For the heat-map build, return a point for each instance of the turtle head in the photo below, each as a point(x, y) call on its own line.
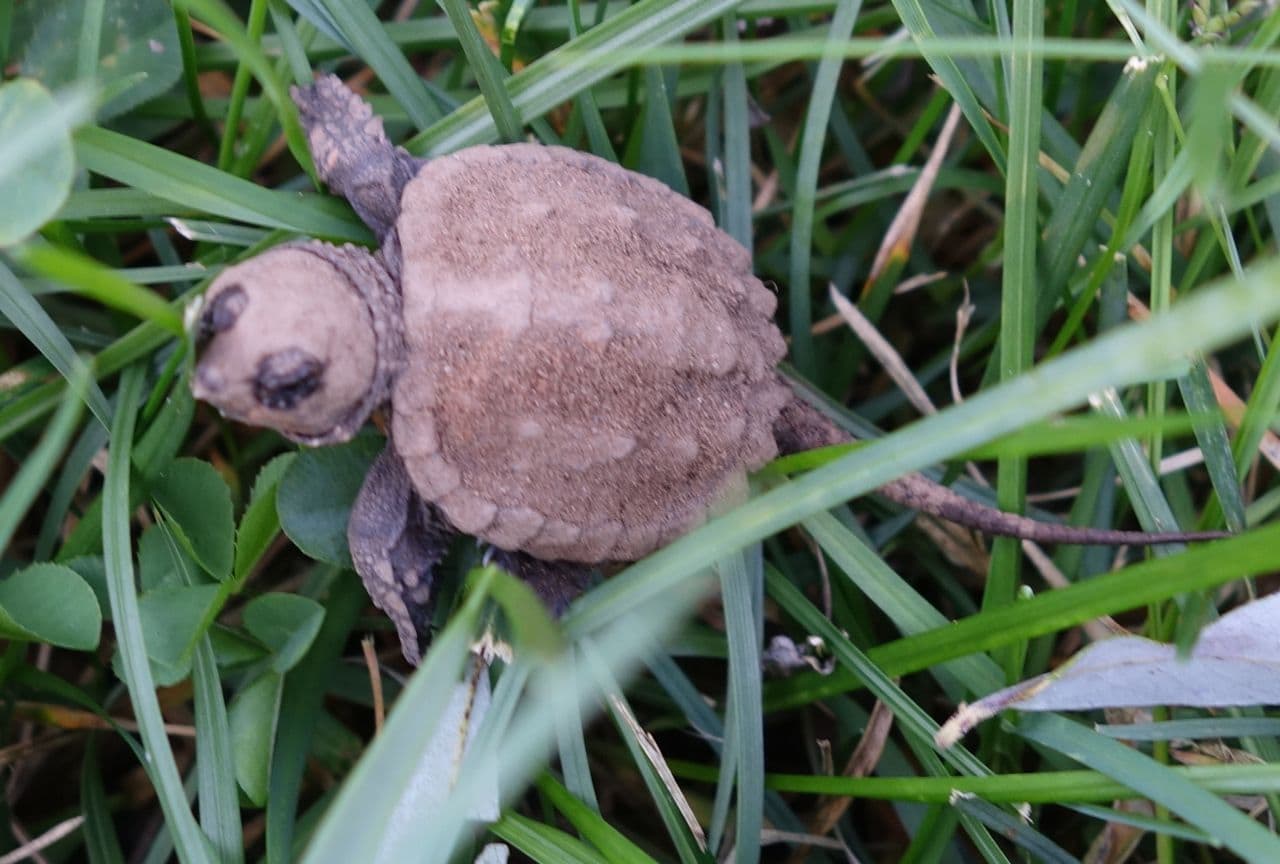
point(295, 340)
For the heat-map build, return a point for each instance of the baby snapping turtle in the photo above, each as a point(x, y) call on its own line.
point(579, 365)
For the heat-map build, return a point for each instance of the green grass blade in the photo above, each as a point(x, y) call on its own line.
point(1093, 178)
point(543, 843)
point(367, 36)
point(102, 845)
point(240, 87)
point(1019, 287)
point(191, 845)
point(747, 719)
point(301, 704)
point(688, 847)
point(910, 612)
point(39, 463)
point(215, 762)
point(809, 161)
point(22, 310)
point(567, 70)
point(1148, 778)
point(574, 762)
point(189, 184)
point(611, 843)
point(737, 145)
point(88, 278)
point(490, 75)
point(1140, 481)
point(597, 134)
point(216, 14)
point(1046, 787)
point(1211, 434)
point(358, 822)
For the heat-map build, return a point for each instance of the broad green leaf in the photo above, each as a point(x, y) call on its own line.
point(36, 160)
point(135, 56)
point(285, 623)
point(195, 498)
point(163, 563)
point(173, 619)
point(260, 522)
point(50, 603)
point(316, 494)
point(253, 714)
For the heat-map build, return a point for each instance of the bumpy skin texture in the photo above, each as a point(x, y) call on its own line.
point(589, 361)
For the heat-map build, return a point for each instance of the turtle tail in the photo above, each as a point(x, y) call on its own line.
point(352, 153)
point(800, 426)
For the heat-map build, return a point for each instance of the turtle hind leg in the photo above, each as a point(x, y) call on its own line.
point(352, 153)
point(557, 583)
point(396, 541)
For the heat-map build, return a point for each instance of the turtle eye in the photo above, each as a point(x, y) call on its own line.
point(221, 313)
point(287, 377)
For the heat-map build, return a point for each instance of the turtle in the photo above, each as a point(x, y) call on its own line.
point(577, 365)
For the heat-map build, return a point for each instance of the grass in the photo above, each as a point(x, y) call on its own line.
point(225, 713)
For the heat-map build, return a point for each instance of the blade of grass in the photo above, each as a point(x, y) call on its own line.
point(359, 26)
point(542, 842)
point(1140, 773)
point(1018, 289)
point(88, 278)
point(190, 843)
point(571, 68)
point(191, 71)
point(611, 843)
point(746, 720)
point(574, 763)
point(1211, 433)
point(1142, 584)
point(597, 134)
point(300, 706)
point(217, 15)
point(240, 87)
point(489, 74)
point(189, 184)
point(93, 437)
point(102, 845)
point(1046, 787)
point(677, 817)
point(22, 310)
point(737, 144)
point(810, 160)
point(373, 788)
point(31, 478)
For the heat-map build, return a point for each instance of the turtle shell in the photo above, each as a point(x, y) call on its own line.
point(589, 365)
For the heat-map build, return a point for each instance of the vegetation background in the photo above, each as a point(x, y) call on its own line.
point(1110, 160)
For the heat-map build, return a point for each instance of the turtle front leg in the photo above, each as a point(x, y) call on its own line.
point(352, 153)
point(396, 541)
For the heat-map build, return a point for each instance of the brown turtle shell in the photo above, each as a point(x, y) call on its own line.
point(589, 361)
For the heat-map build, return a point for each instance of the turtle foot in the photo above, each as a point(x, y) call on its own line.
point(396, 541)
point(557, 583)
point(352, 153)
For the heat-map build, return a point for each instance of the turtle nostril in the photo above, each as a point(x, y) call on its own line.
point(208, 382)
